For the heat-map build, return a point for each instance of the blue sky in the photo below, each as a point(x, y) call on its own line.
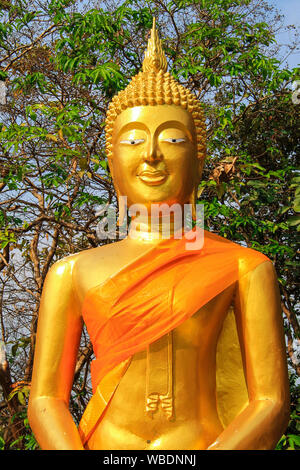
point(291, 10)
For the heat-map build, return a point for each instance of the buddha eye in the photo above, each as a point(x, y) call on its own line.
point(174, 141)
point(132, 141)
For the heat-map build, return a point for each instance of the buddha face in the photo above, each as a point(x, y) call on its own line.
point(155, 155)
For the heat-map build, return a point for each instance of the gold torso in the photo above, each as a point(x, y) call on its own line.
point(127, 424)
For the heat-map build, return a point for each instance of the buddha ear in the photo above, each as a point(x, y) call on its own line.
point(200, 168)
point(121, 203)
point(193, 201)
point(111, 168)
point(193, 196)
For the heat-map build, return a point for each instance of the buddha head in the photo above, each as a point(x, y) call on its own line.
point(155, 136)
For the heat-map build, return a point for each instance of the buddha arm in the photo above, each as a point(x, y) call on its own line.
point(58, 337)
point(258, 314)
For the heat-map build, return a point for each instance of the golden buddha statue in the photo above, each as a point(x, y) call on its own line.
point(189, 344)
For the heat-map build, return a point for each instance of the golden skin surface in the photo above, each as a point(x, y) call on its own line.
point(196, 424)
point(157, 139)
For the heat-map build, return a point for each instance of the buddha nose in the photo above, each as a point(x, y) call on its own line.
point(153, 152)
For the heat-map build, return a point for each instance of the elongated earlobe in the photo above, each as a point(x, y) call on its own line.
point(200, 169)
point(122, 209)
point(121, 199)
point(192, 201)
point(193, 196)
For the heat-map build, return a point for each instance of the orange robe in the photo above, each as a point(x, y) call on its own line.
point(147, 299)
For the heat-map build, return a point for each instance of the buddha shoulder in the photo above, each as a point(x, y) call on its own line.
point(262, 271)
point(64, 267)
point(82, 271)
point(87, 257)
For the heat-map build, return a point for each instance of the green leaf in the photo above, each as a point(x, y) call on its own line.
point(3, 75)
point(293, 221)
point(296, 206)
point(21, 398)
point(14, 349)
point(256, 184)
point(103, 164)
point(293, 438)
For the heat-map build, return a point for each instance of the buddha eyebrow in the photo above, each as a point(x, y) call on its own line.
point(141, 126)
point(176, 125)
point(132, 126)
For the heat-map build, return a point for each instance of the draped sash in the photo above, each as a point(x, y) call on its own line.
point(147, 299)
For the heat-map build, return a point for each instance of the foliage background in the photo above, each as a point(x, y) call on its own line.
point(62, 61)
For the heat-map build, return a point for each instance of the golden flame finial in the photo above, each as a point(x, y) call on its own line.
point(155, 59)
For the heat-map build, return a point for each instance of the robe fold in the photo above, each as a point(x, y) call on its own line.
point(147, 299)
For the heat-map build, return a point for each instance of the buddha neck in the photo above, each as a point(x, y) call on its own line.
point(147, 229)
